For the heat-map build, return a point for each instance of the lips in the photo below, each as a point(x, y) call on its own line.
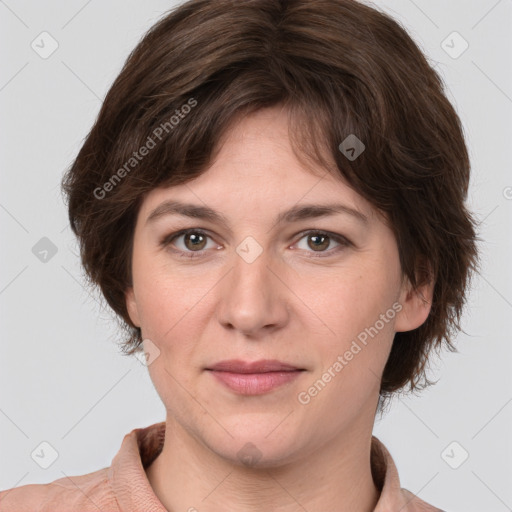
point(254, 378)
point(262, 366)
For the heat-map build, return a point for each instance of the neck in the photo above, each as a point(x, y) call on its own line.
point(337, 476)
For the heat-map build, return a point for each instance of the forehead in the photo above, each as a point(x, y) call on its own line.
point(256, 170)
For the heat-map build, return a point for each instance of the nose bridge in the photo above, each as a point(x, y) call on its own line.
point(252, 297)
point(251, 268)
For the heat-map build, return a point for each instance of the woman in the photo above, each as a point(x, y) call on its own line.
point(273, 200)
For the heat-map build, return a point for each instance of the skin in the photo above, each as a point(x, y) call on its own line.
point(295, 302)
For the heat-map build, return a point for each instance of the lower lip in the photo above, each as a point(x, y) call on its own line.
point(255, 383)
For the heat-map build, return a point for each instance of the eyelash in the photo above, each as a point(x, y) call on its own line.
point(167, 240)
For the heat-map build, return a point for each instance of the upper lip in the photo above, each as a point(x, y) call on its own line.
point(261, 366)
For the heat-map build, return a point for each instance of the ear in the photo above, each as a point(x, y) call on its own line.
point(131, 306)
point(416, 304)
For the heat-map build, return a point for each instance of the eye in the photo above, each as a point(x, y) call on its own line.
point(320, 240)
point(194, 242)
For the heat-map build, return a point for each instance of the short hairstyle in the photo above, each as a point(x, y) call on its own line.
point(339, 68)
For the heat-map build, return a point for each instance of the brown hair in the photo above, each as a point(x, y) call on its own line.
point(339, 67)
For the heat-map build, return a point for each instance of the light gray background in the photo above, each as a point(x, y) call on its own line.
point(63, 379)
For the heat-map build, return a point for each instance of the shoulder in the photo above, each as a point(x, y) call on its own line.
point(84, 493)
point(415, 504)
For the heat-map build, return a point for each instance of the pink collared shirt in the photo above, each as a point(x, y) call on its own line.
point(124, 487)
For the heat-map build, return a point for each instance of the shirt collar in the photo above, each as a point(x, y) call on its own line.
point(142, 445)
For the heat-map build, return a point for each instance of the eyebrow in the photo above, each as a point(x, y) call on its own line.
point(297, 213)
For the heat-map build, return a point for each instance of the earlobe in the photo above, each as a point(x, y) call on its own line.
point(416, 306)
point(131, 306)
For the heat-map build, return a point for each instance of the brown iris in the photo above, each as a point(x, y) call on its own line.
point(198, 240)
point(323, 245)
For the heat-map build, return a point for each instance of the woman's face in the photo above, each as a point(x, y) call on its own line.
point(266, 278)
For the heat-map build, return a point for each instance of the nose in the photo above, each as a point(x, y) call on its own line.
point(254, 299)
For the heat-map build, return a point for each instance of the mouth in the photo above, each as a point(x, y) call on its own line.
point(261, 366)
point(254, 378)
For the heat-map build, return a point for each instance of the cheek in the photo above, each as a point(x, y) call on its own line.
point(348, 301)
point(171, 312)
point(171, 304)
point(353, 343)
point(159, 291)
point(158, 308)
point(354, 321)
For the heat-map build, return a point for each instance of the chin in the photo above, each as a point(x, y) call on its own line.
point(258, 447)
